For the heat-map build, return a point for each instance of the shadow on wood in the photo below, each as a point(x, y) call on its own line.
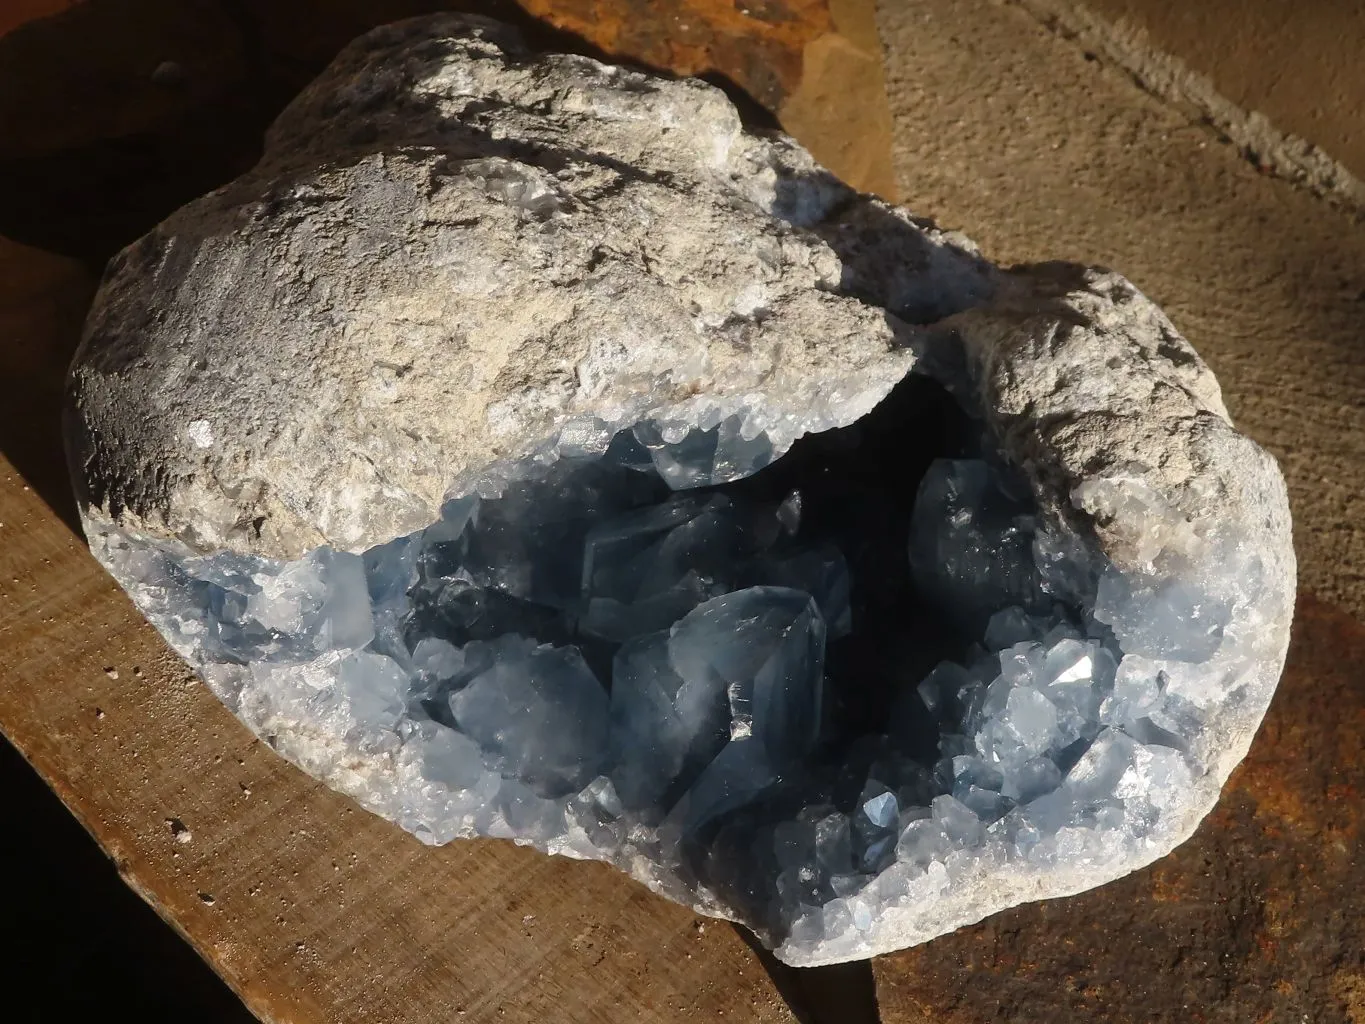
point(836, 994)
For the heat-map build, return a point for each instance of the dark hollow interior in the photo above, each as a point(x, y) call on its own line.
point(858, 487)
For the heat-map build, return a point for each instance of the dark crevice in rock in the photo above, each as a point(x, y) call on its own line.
point(858, 485)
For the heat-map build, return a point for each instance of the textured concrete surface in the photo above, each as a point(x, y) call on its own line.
point(1298, 63)
point(838, 110)
point(1009, 132)
point(1273, 148)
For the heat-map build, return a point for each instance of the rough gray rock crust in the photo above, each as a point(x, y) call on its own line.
point(455, 255)
point(452, 248)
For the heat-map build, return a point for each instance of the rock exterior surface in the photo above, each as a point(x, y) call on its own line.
point(525, 449)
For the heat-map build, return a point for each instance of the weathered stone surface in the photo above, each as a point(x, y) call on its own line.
point(370, 198)
point(343, 427)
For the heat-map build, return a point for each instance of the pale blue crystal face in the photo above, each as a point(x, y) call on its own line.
point(971, 543)
point(688, 457)
point(537, 712)
point(743, 670)
point(771, 681)
point(759, 654)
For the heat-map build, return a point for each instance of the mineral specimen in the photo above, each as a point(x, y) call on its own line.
point(527, 450)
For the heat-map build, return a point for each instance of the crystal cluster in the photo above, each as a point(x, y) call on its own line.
point(616, 482)
point(623, 655)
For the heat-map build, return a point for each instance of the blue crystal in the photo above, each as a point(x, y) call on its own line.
point(764, 647)
point(1161, 618)
point(644, 571)
point(712, 709)
point(606, 656)
point(528, 543)
point(664, 729)
point(820, 572)
point(539, 715)
point(971, 542)
point(687, 458)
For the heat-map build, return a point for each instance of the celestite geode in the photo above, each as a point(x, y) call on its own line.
point(527, 450)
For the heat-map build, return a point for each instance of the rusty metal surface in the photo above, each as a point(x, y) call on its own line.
point(756, 43)
point(1259, 919)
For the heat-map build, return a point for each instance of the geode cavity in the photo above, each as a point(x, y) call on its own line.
point(527, 450)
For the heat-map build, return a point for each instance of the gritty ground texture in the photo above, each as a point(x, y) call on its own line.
point(1297, 65)
point(1273, 146)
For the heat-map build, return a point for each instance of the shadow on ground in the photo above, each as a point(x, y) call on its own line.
point(837, 994)
point(79, 943)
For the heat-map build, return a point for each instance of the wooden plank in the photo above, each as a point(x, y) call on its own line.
point(312, 909)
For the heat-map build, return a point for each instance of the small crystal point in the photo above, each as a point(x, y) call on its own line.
point(971, 542)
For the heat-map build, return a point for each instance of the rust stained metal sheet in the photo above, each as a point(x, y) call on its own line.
point(756, 44)
point(1259, 919)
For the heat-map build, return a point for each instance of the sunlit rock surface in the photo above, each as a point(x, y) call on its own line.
point(526, 450)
